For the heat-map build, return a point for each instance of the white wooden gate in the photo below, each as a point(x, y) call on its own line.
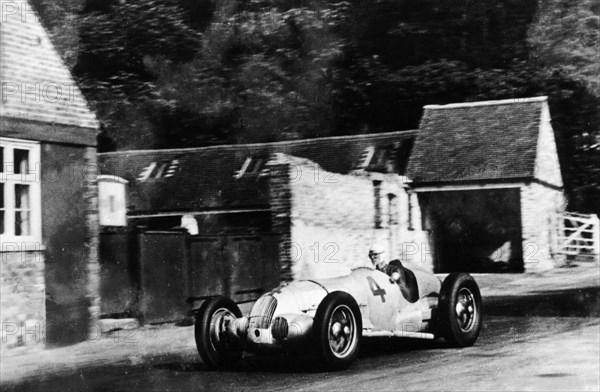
point(578, 235)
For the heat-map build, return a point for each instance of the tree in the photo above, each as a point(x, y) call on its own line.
point(566, 37)
point(260, 75)
point(61, 20)
point(183, 73)
point(119, 42)
point(564, 41)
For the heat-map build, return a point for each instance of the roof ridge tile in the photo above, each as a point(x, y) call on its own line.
point(225, 147)
point(510, 101)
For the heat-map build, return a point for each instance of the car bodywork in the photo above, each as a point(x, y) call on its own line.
point(332, 315)
point(284, 317)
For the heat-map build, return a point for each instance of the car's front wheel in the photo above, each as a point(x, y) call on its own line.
point(460, 310)
point(212, 341)
point(337, 330)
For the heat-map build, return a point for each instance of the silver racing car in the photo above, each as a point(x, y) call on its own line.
point(330, 316)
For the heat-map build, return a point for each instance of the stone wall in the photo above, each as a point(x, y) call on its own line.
point(539, 205)
point(280, 196)
point(547, 166)
point(22, 296)
point(328, 221)
point(70, 240)
point(92, 236)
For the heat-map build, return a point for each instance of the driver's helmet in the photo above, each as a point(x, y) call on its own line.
point(376, 249)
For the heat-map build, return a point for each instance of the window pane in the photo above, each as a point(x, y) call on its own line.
point(22, 196)
point(1, 208)
point(160, 169)
point(377, 196)
point(392, 209)
point(1, 159)
point(22, 223)
point(21, 161)
point(256, 167)
point(410, 211)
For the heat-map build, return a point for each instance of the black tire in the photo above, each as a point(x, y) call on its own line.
point(337, 310)
point(460, 310)
point(215, 349)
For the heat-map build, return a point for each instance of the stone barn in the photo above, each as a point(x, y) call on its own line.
point(489, 183)
point(475, 189)
point(238, 219)
point(48, 213)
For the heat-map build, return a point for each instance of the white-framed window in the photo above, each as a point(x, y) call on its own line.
point(20, 191)
point(251, 167)
point(377, 159)
point(157, 170)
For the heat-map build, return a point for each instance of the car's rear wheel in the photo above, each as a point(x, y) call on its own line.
point(214, 345)
point(460, 310)
point(337, 330)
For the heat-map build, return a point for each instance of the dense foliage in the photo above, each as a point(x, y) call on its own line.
point(180, 73)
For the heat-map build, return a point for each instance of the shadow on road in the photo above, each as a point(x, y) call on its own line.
point(380, 346)
point(306, 362)
point(251, 364)
point(583, 302)
point(560, 303)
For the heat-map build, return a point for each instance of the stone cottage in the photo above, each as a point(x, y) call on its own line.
point(489, 183)
point(48, 197)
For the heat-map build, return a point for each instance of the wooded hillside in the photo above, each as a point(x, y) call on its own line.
point(182, 73)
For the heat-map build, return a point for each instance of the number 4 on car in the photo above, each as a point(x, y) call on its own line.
point(331, 316)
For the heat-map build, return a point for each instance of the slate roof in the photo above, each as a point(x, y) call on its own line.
point(490, 140)
point(36, 83)
point(199, 179)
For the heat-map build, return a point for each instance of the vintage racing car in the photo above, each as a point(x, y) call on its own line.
point(332, 315)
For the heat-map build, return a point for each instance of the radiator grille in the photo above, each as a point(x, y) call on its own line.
point(262, 312)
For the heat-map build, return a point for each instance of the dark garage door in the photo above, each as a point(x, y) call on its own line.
point(163, 276)
point(237, 266)
point(175, 266)
point(475, 231)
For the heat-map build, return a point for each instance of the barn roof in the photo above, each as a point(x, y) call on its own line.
point(208, 178)
point(36, 84)
point(490, 140)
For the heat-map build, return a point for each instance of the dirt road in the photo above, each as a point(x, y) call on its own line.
point(516, 353)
